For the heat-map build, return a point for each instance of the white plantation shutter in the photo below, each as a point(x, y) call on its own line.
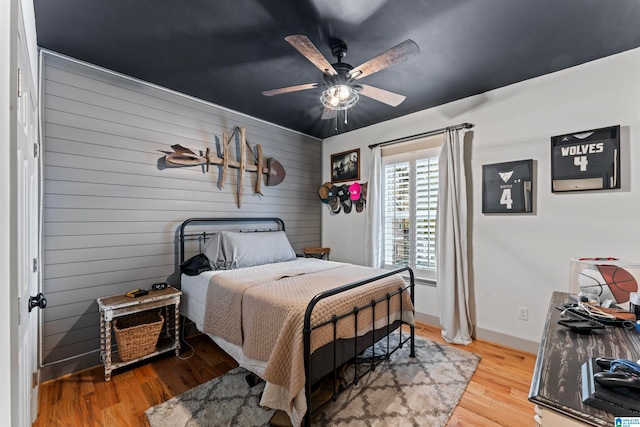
point(397, 214)
point(410, 201)
point(426, 205)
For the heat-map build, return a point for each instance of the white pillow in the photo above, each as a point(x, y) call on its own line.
point(254, 248)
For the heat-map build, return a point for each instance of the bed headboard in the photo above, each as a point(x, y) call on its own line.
point(201, 226)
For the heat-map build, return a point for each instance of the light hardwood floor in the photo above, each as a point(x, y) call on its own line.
point(496, 395)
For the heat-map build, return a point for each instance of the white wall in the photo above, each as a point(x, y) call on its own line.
point(519, 260)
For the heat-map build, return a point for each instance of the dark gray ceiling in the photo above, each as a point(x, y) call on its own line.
point(229, 51)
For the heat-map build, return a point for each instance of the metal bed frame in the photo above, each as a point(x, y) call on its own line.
point(340, 350)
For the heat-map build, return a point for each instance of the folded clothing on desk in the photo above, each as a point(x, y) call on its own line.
point(607, 315)
point(619, 313)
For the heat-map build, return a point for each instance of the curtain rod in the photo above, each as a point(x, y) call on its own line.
point(422, 135)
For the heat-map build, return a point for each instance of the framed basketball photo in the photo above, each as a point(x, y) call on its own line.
point(587, 160)
point(345, 166)
point(508, 187)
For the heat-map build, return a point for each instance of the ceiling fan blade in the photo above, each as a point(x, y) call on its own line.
point(397, 54)
point(328, 113)
point(289, 89)
point(303, 45)
point(389, 98)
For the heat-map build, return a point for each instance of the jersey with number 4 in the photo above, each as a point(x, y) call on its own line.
point(587, 155)
point(508, 189)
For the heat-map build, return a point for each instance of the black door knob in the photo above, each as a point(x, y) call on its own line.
point(37, 301)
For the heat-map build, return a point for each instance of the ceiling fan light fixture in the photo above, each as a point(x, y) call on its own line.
point(339, 97)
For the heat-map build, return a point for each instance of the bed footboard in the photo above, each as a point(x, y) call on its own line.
point(366, 341)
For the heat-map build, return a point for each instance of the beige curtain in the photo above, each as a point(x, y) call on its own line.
point(451, 241)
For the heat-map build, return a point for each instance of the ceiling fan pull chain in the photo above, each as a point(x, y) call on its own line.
point(345, 117)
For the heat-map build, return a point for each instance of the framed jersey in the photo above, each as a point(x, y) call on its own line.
point(588, 160)
point(508, 187)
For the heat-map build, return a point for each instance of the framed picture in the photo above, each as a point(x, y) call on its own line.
point(508, 187)
point(588, 160)
point(345, 166)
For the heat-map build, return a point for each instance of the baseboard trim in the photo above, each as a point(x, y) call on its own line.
point(508, 340)
point(428, 319)
point(55, 370)
point(488, 335)
point(88, 361)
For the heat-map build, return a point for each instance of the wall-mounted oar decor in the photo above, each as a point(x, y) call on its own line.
point(271, 167)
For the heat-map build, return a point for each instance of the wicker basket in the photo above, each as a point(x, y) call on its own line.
point(137, 334)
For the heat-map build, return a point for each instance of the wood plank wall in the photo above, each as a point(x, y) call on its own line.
point(111, 211)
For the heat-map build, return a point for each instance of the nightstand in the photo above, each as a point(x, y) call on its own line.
point(322, 253)
point(116, 306)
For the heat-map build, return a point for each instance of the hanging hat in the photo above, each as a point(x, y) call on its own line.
point(360, 203)
point(345, 198)
point(334, 200)
point(343, 192)
point(354, 191)
point(323, 192)
point(363, 191)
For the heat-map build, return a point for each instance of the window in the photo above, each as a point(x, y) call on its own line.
point(410, 198)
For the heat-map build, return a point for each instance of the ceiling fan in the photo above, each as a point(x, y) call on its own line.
point(340, 90)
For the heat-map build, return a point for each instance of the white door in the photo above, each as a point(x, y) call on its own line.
point(28, 181)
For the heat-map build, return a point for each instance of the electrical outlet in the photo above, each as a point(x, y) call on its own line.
point(523, 313)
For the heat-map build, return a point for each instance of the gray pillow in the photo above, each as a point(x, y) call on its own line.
point(254, 248)
point(212, 251)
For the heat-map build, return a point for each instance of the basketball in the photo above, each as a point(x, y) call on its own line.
point(620, 281)
point(590, 278)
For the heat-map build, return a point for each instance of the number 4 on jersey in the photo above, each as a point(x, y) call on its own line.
point(506, 199)
point(581, 161)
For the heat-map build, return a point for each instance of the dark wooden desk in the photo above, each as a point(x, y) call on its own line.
point(556, 382)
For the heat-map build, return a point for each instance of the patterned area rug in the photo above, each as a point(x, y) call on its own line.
point(407, 391)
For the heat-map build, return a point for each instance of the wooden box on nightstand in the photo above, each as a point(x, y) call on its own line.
point(116, 306)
